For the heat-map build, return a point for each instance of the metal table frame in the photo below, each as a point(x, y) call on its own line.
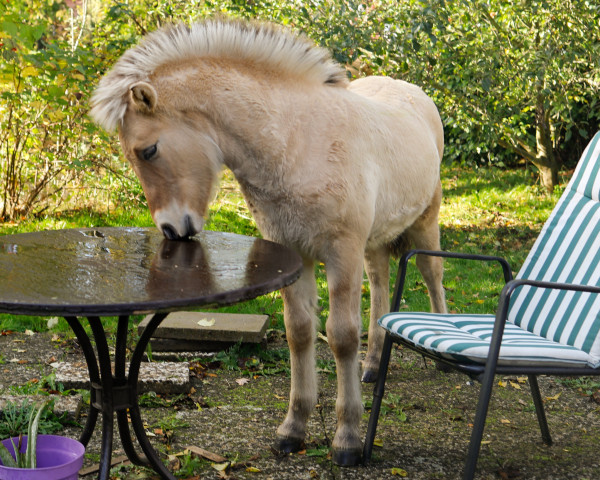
point(116, 392)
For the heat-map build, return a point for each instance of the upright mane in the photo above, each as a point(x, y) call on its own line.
point(261, 43)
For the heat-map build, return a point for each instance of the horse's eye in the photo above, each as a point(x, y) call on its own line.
point(147, 153)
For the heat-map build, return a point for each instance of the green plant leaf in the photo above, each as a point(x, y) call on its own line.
point(32, 433)
point(6, 457)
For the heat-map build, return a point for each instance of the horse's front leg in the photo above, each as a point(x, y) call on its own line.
point(344, 277)
point(377, 266)
point(300, 300)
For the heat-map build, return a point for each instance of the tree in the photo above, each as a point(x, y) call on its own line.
point(523, 74)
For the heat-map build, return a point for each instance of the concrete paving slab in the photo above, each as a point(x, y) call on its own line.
point(69, 404)
point(205, 331)
point(159, 377)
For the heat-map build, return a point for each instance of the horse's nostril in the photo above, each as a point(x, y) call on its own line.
point(189, 227)
point(169, 232)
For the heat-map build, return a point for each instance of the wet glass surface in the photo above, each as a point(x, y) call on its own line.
point(110, 271)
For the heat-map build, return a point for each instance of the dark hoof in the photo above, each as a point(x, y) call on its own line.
point(289, 444)
point(346, 458)
point(369, 376)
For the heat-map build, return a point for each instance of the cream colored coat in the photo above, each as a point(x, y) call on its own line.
point(336, 170)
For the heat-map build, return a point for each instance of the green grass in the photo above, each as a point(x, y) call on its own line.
point(485, 210)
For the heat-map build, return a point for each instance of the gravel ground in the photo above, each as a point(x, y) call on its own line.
point(423, 432)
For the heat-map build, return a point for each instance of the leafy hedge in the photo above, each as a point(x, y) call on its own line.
point(513, 79)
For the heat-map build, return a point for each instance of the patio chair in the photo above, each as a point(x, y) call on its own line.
point(547, 321)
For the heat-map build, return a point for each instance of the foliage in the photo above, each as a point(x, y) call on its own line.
point(14, 419)
point(253, 360)
point(512, 80)
point(520, 75)
point(27, 459)
point(49, 148)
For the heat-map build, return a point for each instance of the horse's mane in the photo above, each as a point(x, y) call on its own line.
point(261, 43)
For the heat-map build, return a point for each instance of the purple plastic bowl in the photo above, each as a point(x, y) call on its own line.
point(58, 458)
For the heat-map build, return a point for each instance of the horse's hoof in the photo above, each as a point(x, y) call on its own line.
point(289, 444)
point(346, 458)
point(369, 376)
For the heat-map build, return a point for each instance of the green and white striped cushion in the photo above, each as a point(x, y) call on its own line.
point(466, 338)
point(567, 251)
point(546, 327)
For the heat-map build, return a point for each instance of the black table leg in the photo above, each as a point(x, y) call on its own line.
point(117, 392)
point(92, 365)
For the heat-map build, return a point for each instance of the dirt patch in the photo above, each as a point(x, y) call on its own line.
point(423, 431)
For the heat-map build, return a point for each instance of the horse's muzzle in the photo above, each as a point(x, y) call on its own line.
point(171, 233)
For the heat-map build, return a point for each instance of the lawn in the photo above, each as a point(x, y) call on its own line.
point(484, 210)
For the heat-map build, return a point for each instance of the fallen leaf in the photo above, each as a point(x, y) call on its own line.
point(205, 322)
point(502, 383)
point(515, 385)
point(322, 337)
point(242, 381)
point(53, 321)
point(399, 472)
point(253, 470)
point(378, 442)
point(555, 397)
point(29, 333)
point(505, 421)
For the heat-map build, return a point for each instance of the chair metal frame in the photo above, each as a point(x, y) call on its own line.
point(482, 372)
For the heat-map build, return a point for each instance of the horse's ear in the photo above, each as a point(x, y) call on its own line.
point(144, 97)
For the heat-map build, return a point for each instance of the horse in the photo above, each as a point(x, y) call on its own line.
point(340, 171)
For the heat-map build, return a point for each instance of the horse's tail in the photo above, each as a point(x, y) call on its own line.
point(399, 246)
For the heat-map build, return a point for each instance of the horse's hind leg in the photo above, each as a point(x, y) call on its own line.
point(425, 234)
point(377, 266)
point(344, 325)
point(300, 301)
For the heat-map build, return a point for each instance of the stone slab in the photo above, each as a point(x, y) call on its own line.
point(159, 377)
point(206, 331)
point(63, 404)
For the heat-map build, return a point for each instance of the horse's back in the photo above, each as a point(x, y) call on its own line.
point(406, 97)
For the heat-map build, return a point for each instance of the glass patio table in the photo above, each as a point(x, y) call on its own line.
point(90, 273)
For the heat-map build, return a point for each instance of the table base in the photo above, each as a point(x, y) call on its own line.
point(117, 392)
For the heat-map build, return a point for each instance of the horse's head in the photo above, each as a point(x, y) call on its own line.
point(175, 157)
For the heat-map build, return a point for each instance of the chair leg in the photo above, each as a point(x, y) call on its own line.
point(377, 397)
point(479, 424)
point(539, 409)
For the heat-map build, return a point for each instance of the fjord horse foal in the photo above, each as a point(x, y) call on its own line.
point(337, 170)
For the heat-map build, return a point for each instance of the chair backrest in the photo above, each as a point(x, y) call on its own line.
point(567, 251)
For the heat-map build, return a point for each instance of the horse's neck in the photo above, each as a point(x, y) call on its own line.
point(256, 129)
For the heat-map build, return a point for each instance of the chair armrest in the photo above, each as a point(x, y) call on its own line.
point(403, 265)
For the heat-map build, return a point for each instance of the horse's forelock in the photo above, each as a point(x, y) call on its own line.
point(261, 43)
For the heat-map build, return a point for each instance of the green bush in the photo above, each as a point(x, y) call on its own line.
point(512, 80)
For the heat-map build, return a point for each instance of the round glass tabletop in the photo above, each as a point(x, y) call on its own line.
point(123, 271)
